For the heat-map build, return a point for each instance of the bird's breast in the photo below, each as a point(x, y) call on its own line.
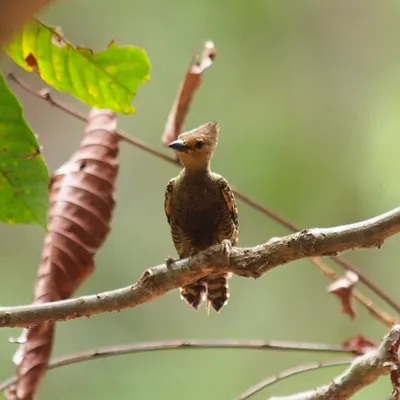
point(198, 209)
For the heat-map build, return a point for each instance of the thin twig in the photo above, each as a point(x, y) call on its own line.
point(367, 303)
point(45, 94)
point(289, 373)
point(248, 262)
point(363, 371)
point(113, 351)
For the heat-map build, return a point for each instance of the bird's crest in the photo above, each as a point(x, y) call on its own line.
point(204, 135)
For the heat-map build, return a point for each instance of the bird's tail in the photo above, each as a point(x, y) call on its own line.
point(217, 291)
point(214, 289)
point(194, 293)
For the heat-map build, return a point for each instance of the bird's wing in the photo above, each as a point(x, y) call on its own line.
point(176, 231)
point(167, 202)
point(230, 203)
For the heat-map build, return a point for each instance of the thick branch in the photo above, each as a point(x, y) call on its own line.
point(14, 13)
point(249, 262)
point(362, 372)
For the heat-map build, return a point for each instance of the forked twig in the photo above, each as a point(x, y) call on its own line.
point(299, 369)
point(363, 371)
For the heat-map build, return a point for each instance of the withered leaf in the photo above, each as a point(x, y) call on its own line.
point(180, 108)
point(359, 344)
point(81, 207)
point(343, 288)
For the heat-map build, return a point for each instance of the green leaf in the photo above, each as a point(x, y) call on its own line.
point(23, 172)
point(108, 79)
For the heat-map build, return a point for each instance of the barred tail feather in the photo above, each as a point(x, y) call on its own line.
point(217, 291)
point(194, 293)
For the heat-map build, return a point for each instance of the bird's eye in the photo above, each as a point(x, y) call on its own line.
point(198, 144)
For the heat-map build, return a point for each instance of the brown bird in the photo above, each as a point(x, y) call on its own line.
point(201, 211)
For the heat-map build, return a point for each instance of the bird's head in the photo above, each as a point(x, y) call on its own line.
point(196, 147)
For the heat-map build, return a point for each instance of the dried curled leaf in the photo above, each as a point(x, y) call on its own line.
point(185, 94)
point(343, 288)
point(359, 344)
point(81, 207)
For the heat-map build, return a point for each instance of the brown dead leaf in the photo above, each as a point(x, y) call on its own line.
point(343, 288)
point(180, 108)
point(359, 344)
point(81, 207)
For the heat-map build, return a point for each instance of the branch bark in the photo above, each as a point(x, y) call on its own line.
point(362, 372)
point(14, 13)
point(248, 262)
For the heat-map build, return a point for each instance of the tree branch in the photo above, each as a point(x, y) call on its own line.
point(362, 372)
point(248, 262)
point(14, 13)
point(114, 351)
point(325, 269)
point(287, 374)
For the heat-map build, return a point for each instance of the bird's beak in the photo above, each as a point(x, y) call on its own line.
point(179, 145)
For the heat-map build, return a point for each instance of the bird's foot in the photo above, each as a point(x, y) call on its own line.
point(226, 246)
point(169, 261)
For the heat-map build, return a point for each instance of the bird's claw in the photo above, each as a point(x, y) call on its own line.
point(169, 261)
point(226, 246)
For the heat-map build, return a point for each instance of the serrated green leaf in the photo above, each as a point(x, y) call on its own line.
point(108, 79)
point(23, 172)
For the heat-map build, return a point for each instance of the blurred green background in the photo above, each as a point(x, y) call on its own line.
point(307, 95)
